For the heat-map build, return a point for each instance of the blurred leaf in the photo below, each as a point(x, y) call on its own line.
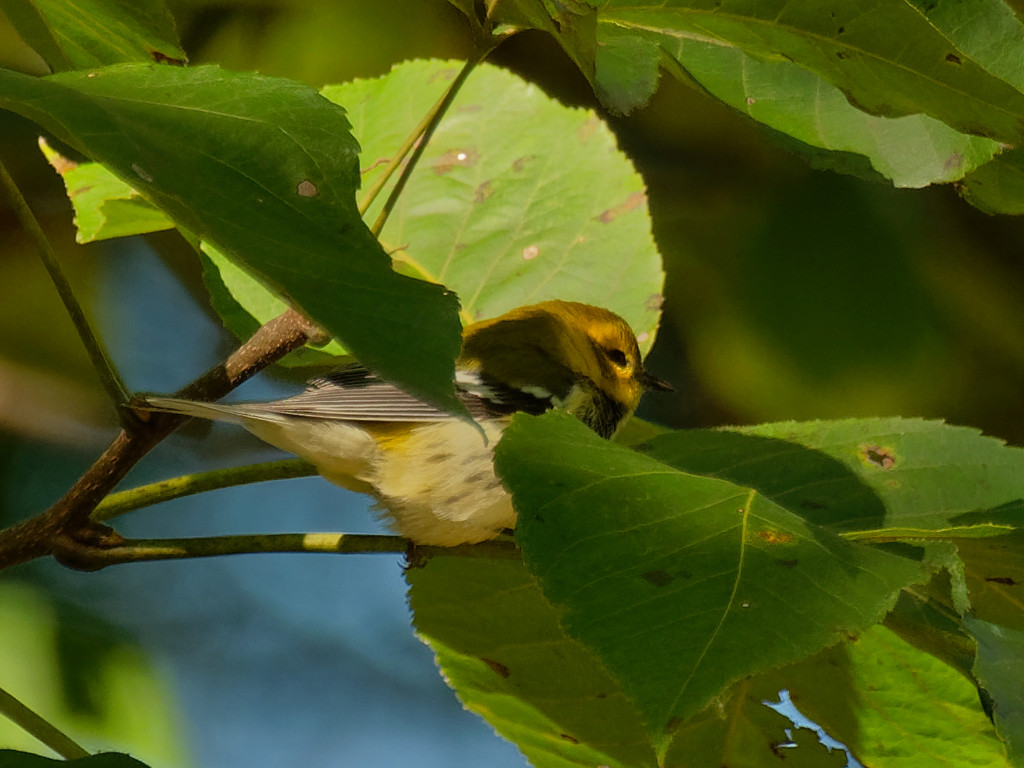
point(91, 33)
point(11, 759)
point(84, 677)
point(1000, 670)
point(266, 170)
point(925, 472)
point(105, 207)
point(894, 706)
point(681, 584)
point(500, 646)
point(516, 200)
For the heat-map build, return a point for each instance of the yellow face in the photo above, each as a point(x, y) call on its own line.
point(617, 356)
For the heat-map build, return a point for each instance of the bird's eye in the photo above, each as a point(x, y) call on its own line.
point(617, 356)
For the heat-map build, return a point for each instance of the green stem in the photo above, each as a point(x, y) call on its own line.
point(141, 550)
point(112, 382)
point(176, 487)
point(34, 724)
point(416, 143)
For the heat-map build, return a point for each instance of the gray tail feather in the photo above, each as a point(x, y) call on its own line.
point(235, 414)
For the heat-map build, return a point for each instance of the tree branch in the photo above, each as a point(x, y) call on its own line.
point(66, 530)
point(144, 550)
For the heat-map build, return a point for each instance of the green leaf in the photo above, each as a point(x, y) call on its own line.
point(911, 151)
point(821, 488)
point(681, 584)
point(91, 33)
point(264, 169)
point(105, 206)
point(994, 573)
point(927, 473)
point(1000, 669)
point(9, 758)
point(864, 54)
point(835, 76)
point(517, 199)
point(499, 644)
point(997, 187)
point(895, 706)
point(743, 731)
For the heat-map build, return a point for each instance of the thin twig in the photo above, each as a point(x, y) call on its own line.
point(110, 378)
point(123, 502)
point(40, 728)
point(419, 139)
point(145, 550)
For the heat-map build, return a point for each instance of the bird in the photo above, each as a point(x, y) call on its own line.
point(430, 472)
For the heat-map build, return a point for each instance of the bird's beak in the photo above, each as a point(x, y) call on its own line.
point(654, 383)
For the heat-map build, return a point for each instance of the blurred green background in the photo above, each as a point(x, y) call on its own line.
point(792, 293)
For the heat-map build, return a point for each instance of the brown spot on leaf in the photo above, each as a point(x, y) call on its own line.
point(307, 188)
point(463, 158)
point(952, 58)
point(570, 739)
point(496, 666)
point(482, 192)
point(530, 252)
point(954, 162)
point(878, 456)
point(842, 55)
point(58, 162)
point(1007, 580)
point(632, 202)
point(775, 537)
point(658, 577)
point(654, 302)
point(587, 129)
point(521, 162)
point(162, 58)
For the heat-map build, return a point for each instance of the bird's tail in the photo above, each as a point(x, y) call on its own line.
point(233, 414)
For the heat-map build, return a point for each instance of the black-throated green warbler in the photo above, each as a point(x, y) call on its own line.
point(430, 471)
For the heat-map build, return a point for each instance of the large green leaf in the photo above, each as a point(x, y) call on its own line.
point(77, 34)
point(681, 584)
point(265, 169)
point(500, 645)
point(517, 198)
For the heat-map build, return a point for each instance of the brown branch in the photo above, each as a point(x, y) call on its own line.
point(65, 530)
